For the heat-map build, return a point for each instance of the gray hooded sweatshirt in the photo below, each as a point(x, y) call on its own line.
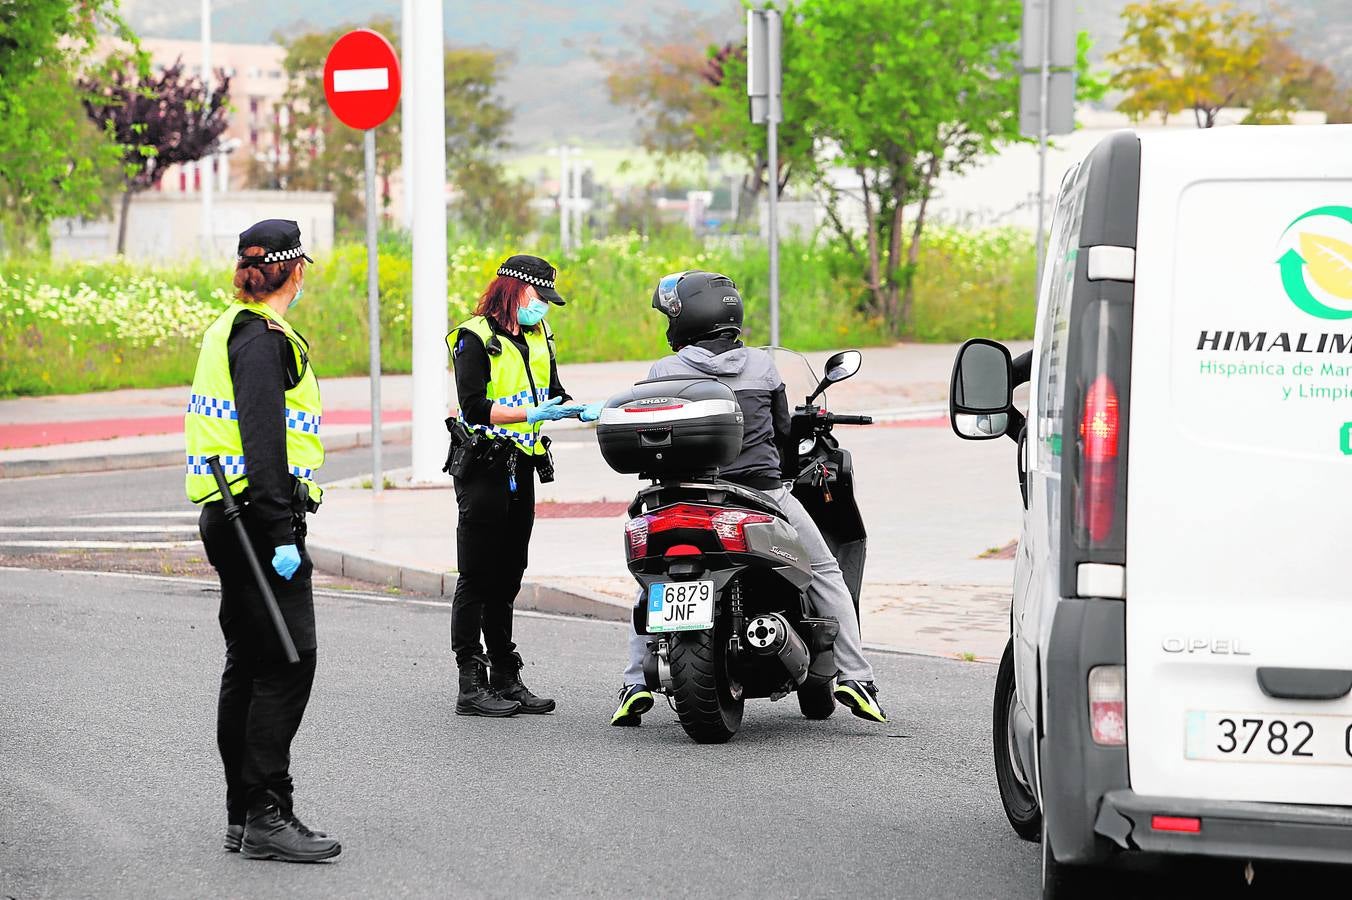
point(752, 375)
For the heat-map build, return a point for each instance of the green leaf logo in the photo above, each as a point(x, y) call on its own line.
point(1326, 261)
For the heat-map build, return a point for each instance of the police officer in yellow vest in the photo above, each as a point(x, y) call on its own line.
point(255, 404)
point(507, 381)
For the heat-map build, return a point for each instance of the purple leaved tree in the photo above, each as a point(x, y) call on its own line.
point(159, 119)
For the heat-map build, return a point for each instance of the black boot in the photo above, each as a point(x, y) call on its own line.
point(477, 698)
point(506, 680)
point(271, 833)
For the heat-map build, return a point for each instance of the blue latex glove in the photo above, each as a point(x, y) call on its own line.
point(552, 410)
point(591, 412)
point(286, 561)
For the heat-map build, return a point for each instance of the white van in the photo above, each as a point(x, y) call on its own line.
point(1179, 676)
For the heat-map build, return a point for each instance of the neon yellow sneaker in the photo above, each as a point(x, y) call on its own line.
point(635, 700)
point(862, 699)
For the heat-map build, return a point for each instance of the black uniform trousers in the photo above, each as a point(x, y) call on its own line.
point(262, 697)
point(492, 537)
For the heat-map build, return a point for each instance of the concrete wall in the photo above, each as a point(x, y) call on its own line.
point(166, 227)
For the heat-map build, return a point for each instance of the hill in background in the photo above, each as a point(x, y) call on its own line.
point(554, 80)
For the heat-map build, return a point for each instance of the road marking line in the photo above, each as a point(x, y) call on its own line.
point(97, 529)
point(319, 592)
point(160, 514)
point(351, 80)
point(104, 545)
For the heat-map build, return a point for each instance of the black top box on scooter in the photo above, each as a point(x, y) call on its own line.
point(671, 426)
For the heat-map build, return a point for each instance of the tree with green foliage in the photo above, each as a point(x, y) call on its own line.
point(478, 132)
point(53, 161)
point(1288, 81)
point(689, 95)
point(159, 120)
point(902, 91)
point(1179, 55)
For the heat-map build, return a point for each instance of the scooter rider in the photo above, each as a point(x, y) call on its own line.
point(704, 312)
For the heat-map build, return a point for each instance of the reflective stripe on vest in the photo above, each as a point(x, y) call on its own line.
point(225, 409)
point(211, 422)
point(233, 465)
point(509, 381)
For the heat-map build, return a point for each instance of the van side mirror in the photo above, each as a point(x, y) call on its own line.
point(839, 367)
point(981, 394)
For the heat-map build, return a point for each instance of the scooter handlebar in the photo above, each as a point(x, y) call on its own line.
point(849, 420)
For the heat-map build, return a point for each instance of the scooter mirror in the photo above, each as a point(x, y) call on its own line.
point(842, 365)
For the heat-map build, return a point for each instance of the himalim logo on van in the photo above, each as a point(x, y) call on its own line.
point(1316, 268)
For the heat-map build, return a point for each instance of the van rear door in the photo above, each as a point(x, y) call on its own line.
point(1239, 523)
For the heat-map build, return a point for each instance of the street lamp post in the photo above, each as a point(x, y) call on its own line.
point(206, 170)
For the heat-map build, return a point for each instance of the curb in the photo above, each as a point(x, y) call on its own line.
point(533, 596)
point(116, 462)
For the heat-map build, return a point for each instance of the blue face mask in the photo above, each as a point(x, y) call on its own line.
point(532, 314)
point(295, 299)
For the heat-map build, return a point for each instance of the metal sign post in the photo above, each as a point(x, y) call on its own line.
point(361, 84)
point(764, 82)
point(373, 308)
point(1046, 89)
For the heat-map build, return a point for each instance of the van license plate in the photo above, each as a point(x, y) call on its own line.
point(681, 606)
point(1263, 737)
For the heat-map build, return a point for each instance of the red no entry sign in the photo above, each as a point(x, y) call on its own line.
point(361, 79)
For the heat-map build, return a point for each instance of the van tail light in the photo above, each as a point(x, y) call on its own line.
point(1108, 705)
point(1180, 824)
point(728, 525)
point(1100, 430)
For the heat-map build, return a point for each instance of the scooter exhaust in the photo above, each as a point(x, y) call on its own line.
point(771, 634)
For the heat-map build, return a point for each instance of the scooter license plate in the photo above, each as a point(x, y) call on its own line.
point(681, 606)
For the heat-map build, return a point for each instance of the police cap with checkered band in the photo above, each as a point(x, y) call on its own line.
point(280, 238)
point(534, 271)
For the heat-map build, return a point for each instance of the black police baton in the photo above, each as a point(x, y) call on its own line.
point(232, 511)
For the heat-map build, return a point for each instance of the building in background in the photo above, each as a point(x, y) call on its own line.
point(257, 85)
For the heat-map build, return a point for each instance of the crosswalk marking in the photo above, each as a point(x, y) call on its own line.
point(104, 545)
point(162, 514)
point(97, 529)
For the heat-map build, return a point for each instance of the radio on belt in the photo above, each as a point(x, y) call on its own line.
point(668, 427)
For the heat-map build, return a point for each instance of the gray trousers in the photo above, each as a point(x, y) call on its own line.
point(828, 596)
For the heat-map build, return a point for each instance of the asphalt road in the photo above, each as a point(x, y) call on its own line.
point(110, 787)
point(109, 774)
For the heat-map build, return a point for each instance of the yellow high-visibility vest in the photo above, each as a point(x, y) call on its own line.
point(211, 424)
point(510, 381)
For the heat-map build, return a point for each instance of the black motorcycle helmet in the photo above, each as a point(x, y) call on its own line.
point(697, 304)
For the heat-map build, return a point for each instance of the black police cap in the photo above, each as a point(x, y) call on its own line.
point(534, 271)
point(279, 237)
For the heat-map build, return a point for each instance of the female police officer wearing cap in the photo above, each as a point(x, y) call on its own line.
point(508, 384)
point(255, 405)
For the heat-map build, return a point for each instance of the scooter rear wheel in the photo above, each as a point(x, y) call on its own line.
point(701, 687)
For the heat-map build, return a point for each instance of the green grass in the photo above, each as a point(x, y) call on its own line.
point(74, 327)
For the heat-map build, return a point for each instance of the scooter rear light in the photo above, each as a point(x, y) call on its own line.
point(636, 537)
point(683, 550)
point(1108, 705)
point(730, 526)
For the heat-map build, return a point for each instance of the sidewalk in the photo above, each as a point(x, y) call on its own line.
point(142, 428)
